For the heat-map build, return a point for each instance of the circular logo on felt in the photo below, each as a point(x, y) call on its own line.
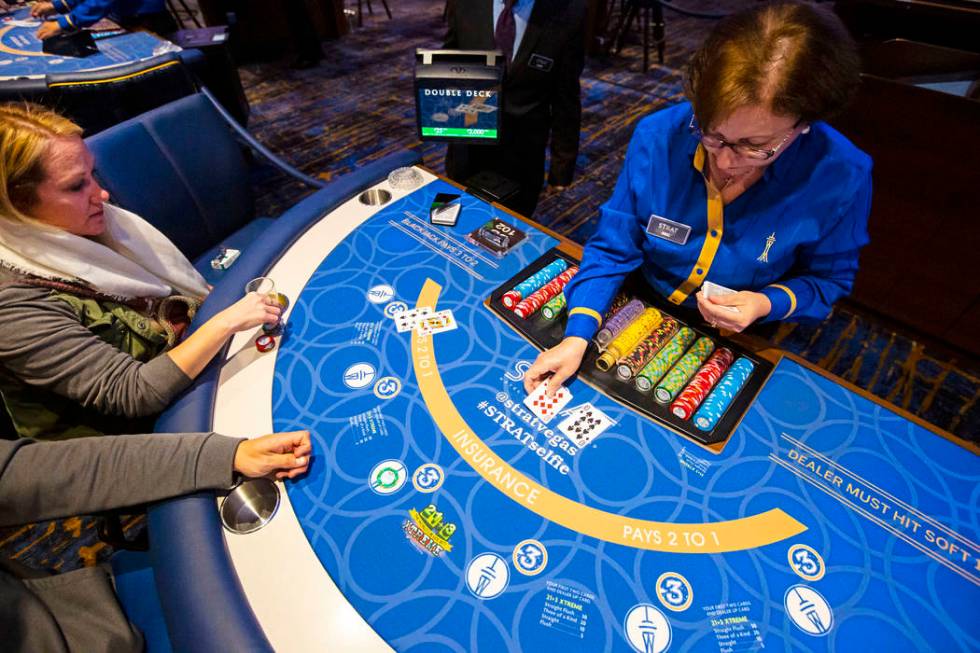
point(428, 478)
point(674, 591)
point(388, 476)
point(387, 387)
point(381, 294)
point(359, 375)
point(530, 557)
point(806, 562)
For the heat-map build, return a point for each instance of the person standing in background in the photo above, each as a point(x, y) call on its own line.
point(544, 47)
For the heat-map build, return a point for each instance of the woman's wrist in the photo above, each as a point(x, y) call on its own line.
point(577, 342)
point(221, 325)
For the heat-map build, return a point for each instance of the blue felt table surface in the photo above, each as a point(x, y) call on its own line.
point(21, 55)
point(889, 507)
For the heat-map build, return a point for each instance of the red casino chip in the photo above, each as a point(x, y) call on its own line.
point(265, 343)
point(510, 298)
point(685, 404)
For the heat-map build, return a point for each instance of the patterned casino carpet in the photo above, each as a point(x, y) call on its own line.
point(357, 106)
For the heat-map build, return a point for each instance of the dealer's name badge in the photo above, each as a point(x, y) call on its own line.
point(675, 232)
point(541, 62)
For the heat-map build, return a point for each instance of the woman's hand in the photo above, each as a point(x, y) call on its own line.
point(560, 362)
point(42, 9)
point(192, 355)
point(48, 29)
point(285, 455)
point(751, 306)
point(250, 311)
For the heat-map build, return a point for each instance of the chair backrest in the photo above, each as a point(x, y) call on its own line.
point(181, 168)
point(98, 99)
point(923, 209)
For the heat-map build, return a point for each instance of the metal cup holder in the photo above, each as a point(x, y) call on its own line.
point(374, 197)
point(250, 506)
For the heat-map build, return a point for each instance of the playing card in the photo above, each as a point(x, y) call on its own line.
point(714, 290)
point(445, 215)
point(574, 410)
point(436, 323)
point(585, 425)
point(406, 320)
point(544, 407)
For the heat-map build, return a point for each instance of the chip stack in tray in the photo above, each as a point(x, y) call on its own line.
point(681, 373)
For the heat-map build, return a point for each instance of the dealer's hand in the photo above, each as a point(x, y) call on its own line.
point(560, 362)
point(43, 9)
point(751, 306)
point(48, 29)
point(286, 455)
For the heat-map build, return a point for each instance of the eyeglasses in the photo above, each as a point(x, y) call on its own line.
point(740, 149)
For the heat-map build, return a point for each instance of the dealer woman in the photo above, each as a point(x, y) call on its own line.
point(745, 186)
point(93, 299)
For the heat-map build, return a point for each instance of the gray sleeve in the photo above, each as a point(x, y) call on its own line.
point(47, 480)
point(44, 345)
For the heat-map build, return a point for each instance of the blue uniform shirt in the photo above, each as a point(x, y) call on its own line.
point(794, 235)
point(76, 14)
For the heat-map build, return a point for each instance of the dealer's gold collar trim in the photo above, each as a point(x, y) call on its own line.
point(712, 238)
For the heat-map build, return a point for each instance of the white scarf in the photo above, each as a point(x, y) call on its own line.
point(130, 259)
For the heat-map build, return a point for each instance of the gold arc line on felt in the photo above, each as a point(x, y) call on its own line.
point(750, 532)
point(10, 50)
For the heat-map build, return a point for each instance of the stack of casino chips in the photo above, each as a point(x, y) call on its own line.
point(619, 301)
point(691, 397)
point(554, 307)
point(721, 397)
point(634, 361)
point(512, 297)
point(664, 360)
point(629, 338)
point(683, 370)
point(530, 304)
point(622, 319)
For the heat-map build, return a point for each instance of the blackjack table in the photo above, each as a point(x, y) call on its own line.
point(21, 55)
point(442, 513)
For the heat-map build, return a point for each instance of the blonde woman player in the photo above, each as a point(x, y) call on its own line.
point(93, 299)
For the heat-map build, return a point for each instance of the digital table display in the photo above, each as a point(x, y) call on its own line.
point(453, 113)
point(457, 97)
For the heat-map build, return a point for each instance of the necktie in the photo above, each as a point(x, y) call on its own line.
point(506, 30)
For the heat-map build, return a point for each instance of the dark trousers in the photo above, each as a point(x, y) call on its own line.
point(519, 156)
point(301, 31)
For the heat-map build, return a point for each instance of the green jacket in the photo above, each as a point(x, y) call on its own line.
point(87, 389)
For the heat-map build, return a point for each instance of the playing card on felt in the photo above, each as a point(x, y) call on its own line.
point(407, 319)
point(436, 323)
point(585, 425)
point(544, 407)
point(574, 410)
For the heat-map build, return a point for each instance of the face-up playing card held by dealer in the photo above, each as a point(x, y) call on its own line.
point(544, 407)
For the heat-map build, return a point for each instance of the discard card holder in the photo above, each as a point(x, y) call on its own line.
point(73, 44)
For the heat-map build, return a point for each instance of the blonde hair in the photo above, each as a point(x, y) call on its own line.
point(795, 59)
point(25, 132)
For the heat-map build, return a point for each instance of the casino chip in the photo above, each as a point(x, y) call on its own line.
point(265, 343)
